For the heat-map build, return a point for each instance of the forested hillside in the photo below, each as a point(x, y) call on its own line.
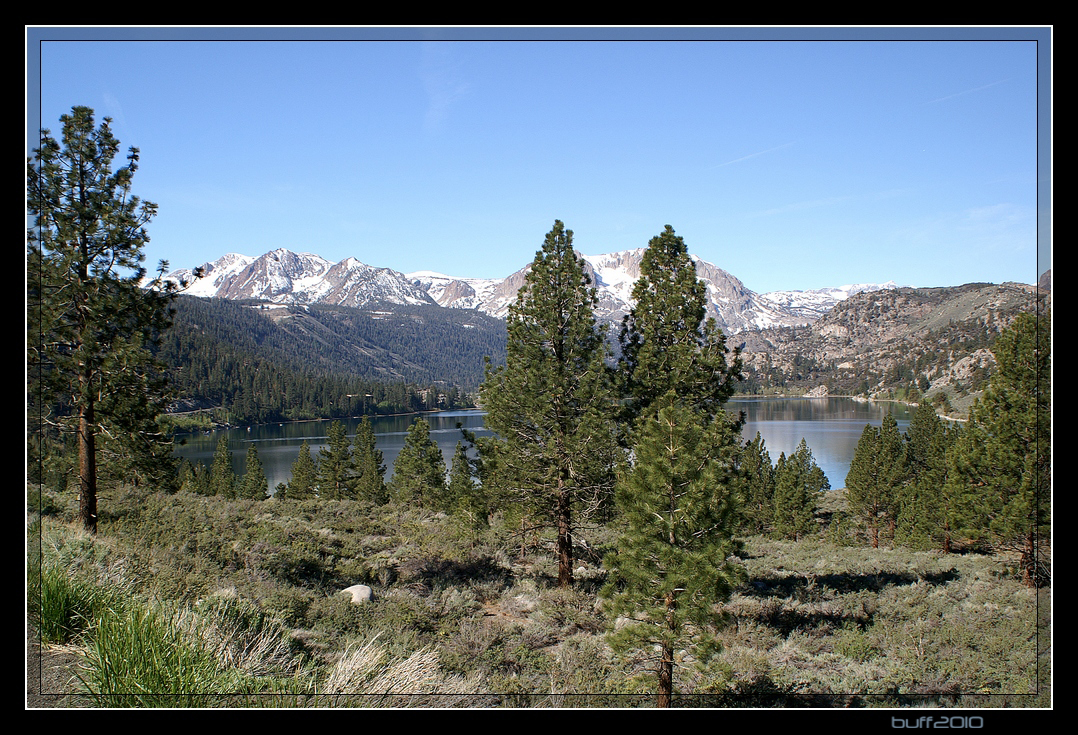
point(278, 364)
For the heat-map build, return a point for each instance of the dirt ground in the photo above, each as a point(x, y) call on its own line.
point(50, 675)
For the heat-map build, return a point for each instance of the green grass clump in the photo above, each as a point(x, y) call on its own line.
point(141, 659)
point(62, 606)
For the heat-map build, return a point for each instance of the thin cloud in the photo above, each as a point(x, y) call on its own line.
point(800, 206)
point(968, 91)
point(115, 110)
point(754, 155)
point(442, 82)
point(881, 195)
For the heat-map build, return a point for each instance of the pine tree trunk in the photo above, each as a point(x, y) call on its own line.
point(666, 677)
point(565, 539)
point(87, 466)
point(666, 663)
point(1028, 561)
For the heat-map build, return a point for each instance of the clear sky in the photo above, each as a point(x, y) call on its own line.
point(792, 158)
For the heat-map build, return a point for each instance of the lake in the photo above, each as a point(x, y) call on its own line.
point(278, 444)
point(830, 426)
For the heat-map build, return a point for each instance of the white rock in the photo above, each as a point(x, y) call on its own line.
point(361, 593)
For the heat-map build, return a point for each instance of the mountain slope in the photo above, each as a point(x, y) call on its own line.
point(277, 362)
point(887, 341)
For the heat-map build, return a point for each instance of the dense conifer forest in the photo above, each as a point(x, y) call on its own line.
point(259, 364)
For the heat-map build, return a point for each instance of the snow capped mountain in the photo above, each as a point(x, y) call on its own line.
point(734, 307)
point(214, 274)
point(458, 293)
point(285, 277)
point(814, 304)
point(489, 295)
point(277, 276)
point(352, 283)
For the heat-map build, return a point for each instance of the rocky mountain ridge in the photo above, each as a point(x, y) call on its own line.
point(902, 342)
point(284, 277)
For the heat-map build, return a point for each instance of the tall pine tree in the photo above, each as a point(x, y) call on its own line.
point(464, 496)
point(254, 485)
point(222, 478)
point(666, 343)
point(757, 479)
point(336, 473)
point(304, 480)
point(798, 483)
point(370, 472)
point(92, 323)
point(679, 512)
point(1001, 464)
point(927, 515)
point(875, 477)
point(551, 404)
point(679, 501)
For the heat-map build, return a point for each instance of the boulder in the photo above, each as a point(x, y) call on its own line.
point(360, 593)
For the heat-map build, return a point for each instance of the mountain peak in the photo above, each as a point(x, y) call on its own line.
point(283, 276)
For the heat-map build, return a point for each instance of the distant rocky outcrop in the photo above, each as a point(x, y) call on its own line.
point(928, 338)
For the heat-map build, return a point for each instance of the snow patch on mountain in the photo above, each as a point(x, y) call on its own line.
point(815, 303)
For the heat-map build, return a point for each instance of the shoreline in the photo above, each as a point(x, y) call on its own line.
point(219, 426)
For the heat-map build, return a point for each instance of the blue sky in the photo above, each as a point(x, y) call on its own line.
point(792, 158)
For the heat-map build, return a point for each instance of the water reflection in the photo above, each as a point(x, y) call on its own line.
point(830, 427)
point(279, 444)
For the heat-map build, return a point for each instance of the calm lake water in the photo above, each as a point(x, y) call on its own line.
point(278, 444)
point(830, 426)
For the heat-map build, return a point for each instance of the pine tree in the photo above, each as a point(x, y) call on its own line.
point(927, 510)
point(666, 343)
point(757, 487)
point(419, 470)
point(679, 512)
point(465, 497)
point(367, 460)
point(551, 404)
point(304, 480)
point(892, 461)
point(254, 486)
point(875, 476)
point(194, 478)
point(92, 323)
point(222, 478)
point(1001, 465)
point(336, 473)
point(798, 483)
